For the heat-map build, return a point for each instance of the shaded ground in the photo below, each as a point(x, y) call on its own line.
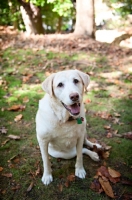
point(24, 65)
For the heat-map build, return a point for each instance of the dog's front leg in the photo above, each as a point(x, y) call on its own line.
point(47, 175)
point(79, 169)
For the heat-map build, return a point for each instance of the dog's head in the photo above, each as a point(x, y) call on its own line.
point(68, 87)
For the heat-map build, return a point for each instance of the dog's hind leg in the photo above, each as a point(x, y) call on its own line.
point(90, 144)
point(92, 154)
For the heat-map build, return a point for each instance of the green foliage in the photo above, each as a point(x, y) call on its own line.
point(63, 8)
point(123, 7)
point(10, 13)
point(51, 11)
point(38, 2)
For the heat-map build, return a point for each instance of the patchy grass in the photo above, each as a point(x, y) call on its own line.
point(108, 103)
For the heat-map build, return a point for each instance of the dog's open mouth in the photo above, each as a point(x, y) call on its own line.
point(74, 109)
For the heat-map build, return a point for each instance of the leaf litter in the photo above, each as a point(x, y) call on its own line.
point(116, 117)
point(103, 178)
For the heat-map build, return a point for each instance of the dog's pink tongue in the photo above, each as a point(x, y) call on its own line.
point(75, 109)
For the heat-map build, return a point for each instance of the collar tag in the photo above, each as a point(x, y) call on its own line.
point(80, 120)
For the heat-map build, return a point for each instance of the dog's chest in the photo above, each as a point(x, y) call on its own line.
point(65, 137)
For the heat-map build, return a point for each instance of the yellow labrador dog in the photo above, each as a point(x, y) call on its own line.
point(61, 122)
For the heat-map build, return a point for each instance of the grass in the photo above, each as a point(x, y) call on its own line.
point(22, 157)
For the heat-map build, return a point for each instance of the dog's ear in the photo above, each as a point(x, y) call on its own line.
point(47, 85)
point(85, 78)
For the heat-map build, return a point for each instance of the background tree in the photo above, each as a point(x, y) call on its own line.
point(85, 20)
point(31, 14)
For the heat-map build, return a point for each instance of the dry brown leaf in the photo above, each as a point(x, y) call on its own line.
point(109, 135)
point(38, 171)
point(87, 101)
point(60, 187)
point(17, 108)
point(103, 171)
point(3, 130)
point(128, 135)
point(3, 143)
point(14, 137)
point(117, 114)
point(30, 186)
point(8, 175)
point(107, 127)
point(106, 187)
point(113, 173)
point(26, 78)
point(96, 186)
point(71, 177)
point(67, 184)
point(1, 169)
point(18, 118)
point(105, 154)
point(25, 100)
point(17, 187)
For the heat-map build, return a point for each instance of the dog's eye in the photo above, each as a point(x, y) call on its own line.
point(60, 85)
point(75, 81)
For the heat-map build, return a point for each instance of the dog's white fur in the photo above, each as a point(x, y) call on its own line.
point(56, 134)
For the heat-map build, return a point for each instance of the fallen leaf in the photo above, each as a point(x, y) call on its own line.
point(113, 173)
point(38, 171)
point(3, 130)
point(71, 177)
point(17, 187)
point(115, 133)
point(30, 186)
point(103, 171)
point(106, 187)
point(25, 100)
point(128, 135)
point(109, 135)
point(3, 143)
point(1, 169)
point(117, 114)
point(8, 175)
point(14, 137)
point(18, 118)
point(67, 184)
point(60, 187)
point(3, 191)
point(26, 78)
point(106, 154)
point(87, 101)
point(96, 186)
point(116, 120)
point(17, 108)
point(107, 127)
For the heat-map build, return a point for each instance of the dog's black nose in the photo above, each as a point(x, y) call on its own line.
point(74, 96)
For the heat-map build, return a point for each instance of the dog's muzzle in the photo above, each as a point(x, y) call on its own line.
point(74, 109)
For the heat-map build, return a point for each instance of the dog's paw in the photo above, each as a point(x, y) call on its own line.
point(94, 156)
point(80, 172)
point(47, 179)
point(98, 146)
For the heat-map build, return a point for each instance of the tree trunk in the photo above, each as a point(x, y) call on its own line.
point(59, 24)
point(85, 19)
point(32, 18)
